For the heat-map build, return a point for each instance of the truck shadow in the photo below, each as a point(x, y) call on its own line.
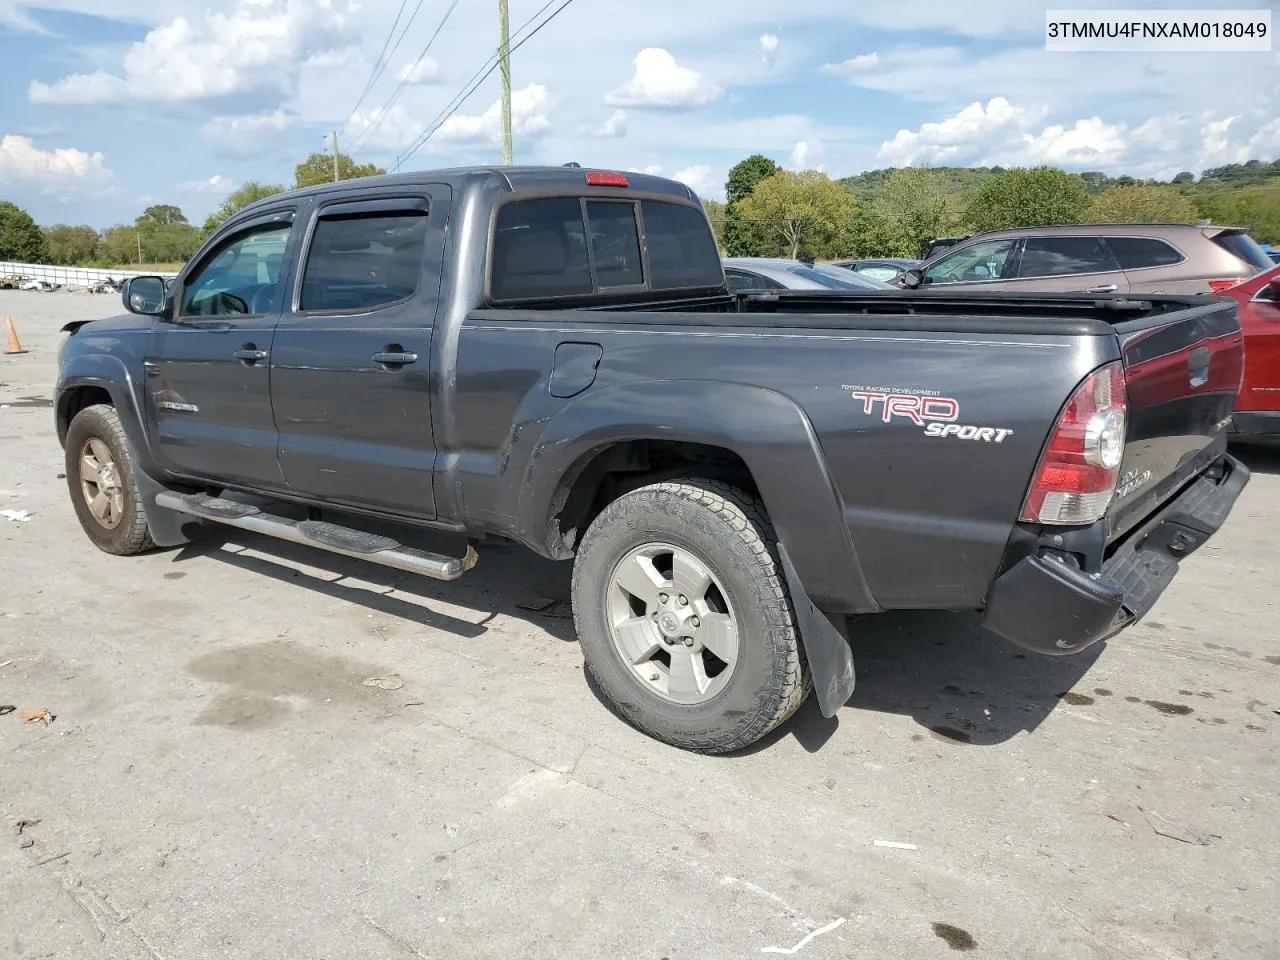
point(1259, 459)
point(962, 685)
point(509, 580)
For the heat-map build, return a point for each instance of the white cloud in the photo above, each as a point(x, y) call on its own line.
point(652, 169)
point(529, 107)
point(1088, 142)
point(259, 42)
point(1000, 133)
point(245, 134)
point(423, 71)
point(660, 82)
point(22, 163)
point(698, 178)
point(614, 126)
point(215, 184)
point(960, 135)
point(862, 63)
point(382, 129)
point(805, 154)
point(768, 49)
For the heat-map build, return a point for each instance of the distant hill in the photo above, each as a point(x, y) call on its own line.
point(1256, 173)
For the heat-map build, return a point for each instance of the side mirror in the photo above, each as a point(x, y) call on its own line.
point(144, 295)
point(911, 279)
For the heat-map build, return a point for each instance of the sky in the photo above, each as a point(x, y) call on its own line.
point(107, 106)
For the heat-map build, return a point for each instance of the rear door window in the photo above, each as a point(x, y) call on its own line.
point(363, 261)
point(1064, 257)
point(1138, 253)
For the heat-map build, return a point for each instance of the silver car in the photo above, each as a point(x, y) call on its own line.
point(756, 274)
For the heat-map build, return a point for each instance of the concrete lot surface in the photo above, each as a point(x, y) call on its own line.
point(261, 751)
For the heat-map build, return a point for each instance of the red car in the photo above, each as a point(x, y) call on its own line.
point(1257, 416)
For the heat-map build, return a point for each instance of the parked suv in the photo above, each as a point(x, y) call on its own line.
point(1097, 258)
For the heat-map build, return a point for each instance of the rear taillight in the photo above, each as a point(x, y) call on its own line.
point(1217, 286)
point(1076, 477)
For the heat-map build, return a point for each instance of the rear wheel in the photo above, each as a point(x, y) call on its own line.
point(101, 480)
point(684, 616)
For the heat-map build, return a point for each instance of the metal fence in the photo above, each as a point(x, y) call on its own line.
point(69, 276)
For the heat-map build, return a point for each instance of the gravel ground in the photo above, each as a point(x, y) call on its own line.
point(224, 780)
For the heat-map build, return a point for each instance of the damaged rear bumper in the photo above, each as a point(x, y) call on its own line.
point(1046, 604)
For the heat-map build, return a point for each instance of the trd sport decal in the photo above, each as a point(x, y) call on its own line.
point(924, 408)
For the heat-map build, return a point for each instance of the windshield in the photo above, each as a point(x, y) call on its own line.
point(838, 278)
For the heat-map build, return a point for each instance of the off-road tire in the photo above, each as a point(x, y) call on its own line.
point(131, 535)
point(729, 531)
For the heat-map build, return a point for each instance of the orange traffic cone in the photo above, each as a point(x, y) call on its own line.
point(15, 345)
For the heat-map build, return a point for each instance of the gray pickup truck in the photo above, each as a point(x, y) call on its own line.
point(550, 356)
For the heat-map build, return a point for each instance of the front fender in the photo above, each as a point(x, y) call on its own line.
point(114, 376)
point(766, 429)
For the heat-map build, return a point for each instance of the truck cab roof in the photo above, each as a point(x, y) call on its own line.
point(536, 179)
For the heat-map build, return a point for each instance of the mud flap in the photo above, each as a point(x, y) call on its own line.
point(827, 647)
point(165, 526)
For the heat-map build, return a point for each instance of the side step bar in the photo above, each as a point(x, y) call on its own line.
point(315, 533)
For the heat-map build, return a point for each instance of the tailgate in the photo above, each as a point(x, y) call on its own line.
point(1182, 373)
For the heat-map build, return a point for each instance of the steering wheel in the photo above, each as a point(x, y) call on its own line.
point(261, 302)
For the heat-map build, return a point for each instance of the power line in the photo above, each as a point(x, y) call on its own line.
point(471, 87)
point(381, 67)
point(374, 73)
point(382, 111)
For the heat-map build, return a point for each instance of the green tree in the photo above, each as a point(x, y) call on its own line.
point(20, 238)
point(914, 209)
point(803, 214)
point(70, 246)
point(318, 168)
point(251, 192)
point(119, 245)
point(166, 235)
point(162, 214)
point(1257, 209)
point(741, 237)
point(867, 235)
point(1186, 176)
point(1028, 198)
point(1141, 204)
point(715, 213)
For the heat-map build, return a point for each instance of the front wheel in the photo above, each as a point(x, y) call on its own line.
point(684, 616)
point(103, 489)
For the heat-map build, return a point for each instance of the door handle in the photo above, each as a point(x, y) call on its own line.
point(249, 355)
point(1105, 288)
point(395, 358)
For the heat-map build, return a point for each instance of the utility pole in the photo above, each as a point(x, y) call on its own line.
point(504, 47)
point(335, 156)
point(137, 233)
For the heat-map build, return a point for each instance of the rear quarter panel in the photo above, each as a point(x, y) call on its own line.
point(929, 513)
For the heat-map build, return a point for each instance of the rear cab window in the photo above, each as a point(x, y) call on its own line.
point(549, 248)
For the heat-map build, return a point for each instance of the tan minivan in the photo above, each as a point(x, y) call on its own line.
point(1096, 258)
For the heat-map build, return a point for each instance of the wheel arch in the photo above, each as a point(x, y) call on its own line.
point(757, 438)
